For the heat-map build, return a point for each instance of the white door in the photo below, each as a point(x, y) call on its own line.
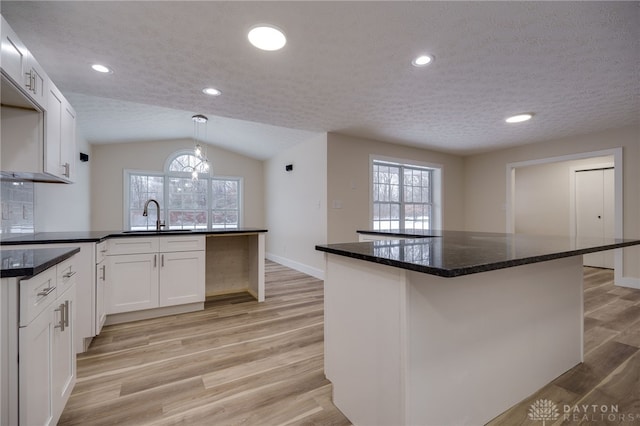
point(63, 352)
point(594, 211)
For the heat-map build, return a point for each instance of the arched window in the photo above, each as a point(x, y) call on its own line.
point(186, 201)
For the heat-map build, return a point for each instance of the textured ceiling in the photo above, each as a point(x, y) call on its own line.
point(346, 68)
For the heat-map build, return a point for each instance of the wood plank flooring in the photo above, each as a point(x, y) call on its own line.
point(236, 362)
point(610, 373)
point(240, 362)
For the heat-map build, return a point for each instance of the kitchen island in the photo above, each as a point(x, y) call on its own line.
point(452, 327)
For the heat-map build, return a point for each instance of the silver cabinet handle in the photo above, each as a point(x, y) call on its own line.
point(69, 274)
point(66, 313)
point(60, 309)
point(104, 272)
point(155, 260)
point(66, 169)
point(162, 260)
point(46, 291)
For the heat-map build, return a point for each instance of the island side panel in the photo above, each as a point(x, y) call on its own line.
point(480, 343)
point(227, 260)
point(256, 265)
point(364, 339)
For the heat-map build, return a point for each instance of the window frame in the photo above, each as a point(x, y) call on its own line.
point(435, 220)
point(167, 175)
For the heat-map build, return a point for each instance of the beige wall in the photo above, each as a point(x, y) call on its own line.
point(348, 168)
point(109, 161)
point(485, 181)
point(296, 213)
point(66, 207)
point(541, 196)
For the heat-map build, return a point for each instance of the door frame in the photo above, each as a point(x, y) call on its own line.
point(618, 203)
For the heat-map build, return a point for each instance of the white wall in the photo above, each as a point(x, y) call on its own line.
point(348, 182)
point(296, 212)
point(110, 160)
point(66, 207)
point(485, 181)
point(541, 196)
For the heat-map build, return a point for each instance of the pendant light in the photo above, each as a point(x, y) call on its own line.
point(198, 150)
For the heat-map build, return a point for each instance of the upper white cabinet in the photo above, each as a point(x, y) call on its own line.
point(14, 55)
point(60, 135)
point(27, 95)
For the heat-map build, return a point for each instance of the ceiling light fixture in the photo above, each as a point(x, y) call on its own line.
point(212, 91)
point(267, 37)
point(519, 118)
point(203, 165)
point(101, 68)
point(422, 60)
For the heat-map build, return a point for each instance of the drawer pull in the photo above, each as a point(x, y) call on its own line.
point(69, 274)
point(46, 291)
point(61, 324)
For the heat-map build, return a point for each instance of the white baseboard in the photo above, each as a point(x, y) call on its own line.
point(627, 282)
point(306, 269)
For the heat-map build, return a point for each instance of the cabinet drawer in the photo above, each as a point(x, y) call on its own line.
point(101, 251)
point(182, 243)
point(116, 246)
point(36, 293)
point(66, 275)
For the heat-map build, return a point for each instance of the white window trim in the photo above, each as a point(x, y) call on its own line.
point(166, 174)
point(438, 170)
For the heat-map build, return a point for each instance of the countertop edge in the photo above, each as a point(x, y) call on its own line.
point(471, 269)
point(35, 270)
point(121, 234)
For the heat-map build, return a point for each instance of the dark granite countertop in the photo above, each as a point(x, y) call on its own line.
point(29, 262)
point(455, 253)
point(97, 236)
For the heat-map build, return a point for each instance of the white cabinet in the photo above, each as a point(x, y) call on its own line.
point(60, 137)
point(47, 361)
point(144, 273)
point(101, 274)
point(15, 55)
point(25, 85)
point(181, 278)
point(63, 352)
point(132, 282)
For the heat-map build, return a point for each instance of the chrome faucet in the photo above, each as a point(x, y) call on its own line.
point(145, 213)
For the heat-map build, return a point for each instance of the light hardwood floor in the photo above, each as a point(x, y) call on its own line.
point(240, 362)
point(236, 362)
point(610, 373)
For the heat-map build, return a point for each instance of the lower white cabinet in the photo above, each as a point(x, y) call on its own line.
point(101, 275)
point(131, 282)
point(144, 276)
point(47, 356)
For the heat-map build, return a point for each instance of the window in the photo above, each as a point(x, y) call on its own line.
point(403, 196)
point(204, 203)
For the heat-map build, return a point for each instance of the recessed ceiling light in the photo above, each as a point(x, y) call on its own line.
point(422, 60)
point(101, 68)
point(267, 37)
point(519, 118)
point(212, 91)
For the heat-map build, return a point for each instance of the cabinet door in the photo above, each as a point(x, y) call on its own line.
point(35, 371)
point(53, 131)
point(132, 282)
point(63, 359)
point(14, 55)
point(101, 311)
point(68, 141)
point(182, 277)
